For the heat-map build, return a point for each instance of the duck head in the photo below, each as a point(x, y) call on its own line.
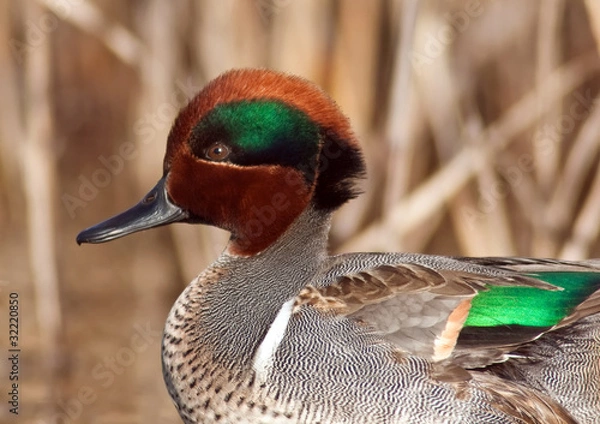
point(248, 154)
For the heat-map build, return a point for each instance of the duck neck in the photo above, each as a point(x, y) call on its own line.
point(240, 307)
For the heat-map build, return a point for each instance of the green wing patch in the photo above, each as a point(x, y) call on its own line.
point(532, 307)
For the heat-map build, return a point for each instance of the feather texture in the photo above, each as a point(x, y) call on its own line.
point(472, 311)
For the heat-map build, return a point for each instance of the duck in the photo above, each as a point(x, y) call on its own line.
point(277, 330)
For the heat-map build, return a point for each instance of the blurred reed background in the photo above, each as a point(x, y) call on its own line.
point(478, 121)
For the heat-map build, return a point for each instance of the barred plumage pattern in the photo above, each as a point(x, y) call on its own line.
point(328, 368)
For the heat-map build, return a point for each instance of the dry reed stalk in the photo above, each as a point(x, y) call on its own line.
point(229, 34)
point(86, 16)
point(490, 233)
point(586, 228)
point(580, 160)
point(418, 206)
point(11, 116)
point(403, 113)
point(525, 191)
point(438, 94)
point(351, 80)
point(547, 161)
point(431, 195)
point(593, 10)
point(551, 13)
point(352, 75)
point(439, 88)
point(405, 127)
point(293, 48)
point(39, 184)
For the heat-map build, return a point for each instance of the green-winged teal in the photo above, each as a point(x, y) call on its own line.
point(278, 331)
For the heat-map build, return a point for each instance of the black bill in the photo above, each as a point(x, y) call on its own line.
point(154, 210)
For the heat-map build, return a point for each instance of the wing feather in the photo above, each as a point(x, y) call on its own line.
point(420, 302)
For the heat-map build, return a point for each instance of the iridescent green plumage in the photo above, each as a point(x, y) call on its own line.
point(532, 307)
point(260, 132)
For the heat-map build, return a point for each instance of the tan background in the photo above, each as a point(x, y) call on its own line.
point(478, 120)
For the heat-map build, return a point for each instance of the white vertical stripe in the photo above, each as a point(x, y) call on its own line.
point(263, 358)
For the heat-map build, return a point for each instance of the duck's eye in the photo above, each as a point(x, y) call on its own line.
point(217, 152)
